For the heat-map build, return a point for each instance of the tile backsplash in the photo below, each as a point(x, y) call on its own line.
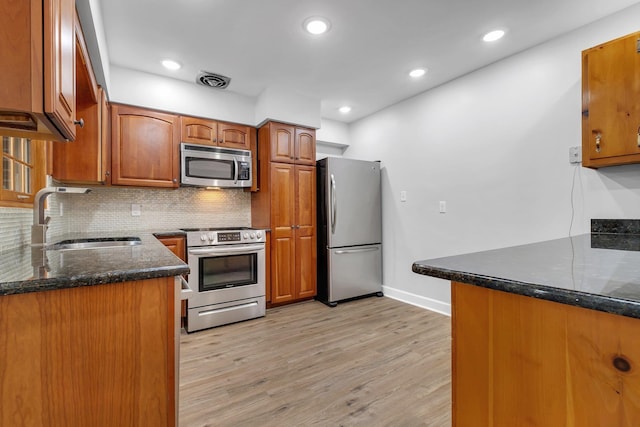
point(15, 227)
point(110, 208)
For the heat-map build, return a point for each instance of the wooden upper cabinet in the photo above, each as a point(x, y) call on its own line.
point(37, 44)
point(305, 147)
point(611, 103)
point(209, 132)
point(60, 64)
point(232, 135)
point(291, 144)
point(282, 142)
point(145, 147)
point(198, 131)
point(87, 159)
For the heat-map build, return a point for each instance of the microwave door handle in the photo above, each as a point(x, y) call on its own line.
point(334, 204)
point(235, 166)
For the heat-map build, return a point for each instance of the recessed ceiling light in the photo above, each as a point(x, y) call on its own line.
point(171, 65)
point(418, 72)
point(344, 109)
point(316, 25)
point(493, 35)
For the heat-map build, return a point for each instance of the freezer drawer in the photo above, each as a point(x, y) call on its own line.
point(354, 271)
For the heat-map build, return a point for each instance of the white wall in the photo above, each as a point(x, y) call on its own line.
point(163, 93)
point(493, 145)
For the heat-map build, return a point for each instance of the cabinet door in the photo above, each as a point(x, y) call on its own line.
point(282, 143)
point(305, 148)
point(60, 65)
point(145, 147)
point(610, 93)
point(305, 231)
point(234, 136)
point(198, 131)
point(282, 236)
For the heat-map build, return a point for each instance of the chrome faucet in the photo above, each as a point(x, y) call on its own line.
point(40, 223)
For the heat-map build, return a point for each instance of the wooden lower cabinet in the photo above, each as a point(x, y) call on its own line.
point(523, 361)
point(103, 355)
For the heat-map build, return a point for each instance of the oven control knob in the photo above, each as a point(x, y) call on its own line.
point(212, 237)
point(246, 235)
point(259, 234)
point(253, 235)
point(203, 237)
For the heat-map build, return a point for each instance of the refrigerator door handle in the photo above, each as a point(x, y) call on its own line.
point(355, 251)
point(334, 204)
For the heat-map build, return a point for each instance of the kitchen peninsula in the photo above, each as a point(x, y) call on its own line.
point(546, 333)
point(89, 337)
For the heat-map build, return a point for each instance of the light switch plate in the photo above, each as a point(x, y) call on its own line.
point(135, 209)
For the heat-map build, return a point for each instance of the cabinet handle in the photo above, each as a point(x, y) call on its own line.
point(638, 137)
point(175, 180)
point(79, 122)
point(22, 196)
point(598, 139)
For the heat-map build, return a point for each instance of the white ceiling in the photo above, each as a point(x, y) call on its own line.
point(364, 59)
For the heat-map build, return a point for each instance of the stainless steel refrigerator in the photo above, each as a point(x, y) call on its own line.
point(349, 229)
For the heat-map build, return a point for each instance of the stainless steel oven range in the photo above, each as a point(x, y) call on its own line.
point(227, 276)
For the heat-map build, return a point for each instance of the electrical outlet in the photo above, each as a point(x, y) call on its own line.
point(403, 196)
point(135, 210)
point(443, 206)
point(575, 154)
point(60, 209)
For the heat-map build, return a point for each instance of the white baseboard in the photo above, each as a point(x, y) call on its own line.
point(417, 300)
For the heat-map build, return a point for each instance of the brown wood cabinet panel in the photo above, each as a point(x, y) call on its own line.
point(101, 355)
point(305, 147)
point(145, 147)
point(519, 360)
point(60, 64)
point(305, 231)
point(37, 89)
point(232, 135)
point(198, 131)
point(175, 244)
point(283, 239)
point(282, 142)
point(611, 111)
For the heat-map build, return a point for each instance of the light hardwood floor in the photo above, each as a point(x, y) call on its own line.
point(373, 362)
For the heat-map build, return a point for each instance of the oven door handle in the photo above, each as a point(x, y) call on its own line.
point(226, 251)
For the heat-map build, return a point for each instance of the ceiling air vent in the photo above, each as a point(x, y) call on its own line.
point(218, 81)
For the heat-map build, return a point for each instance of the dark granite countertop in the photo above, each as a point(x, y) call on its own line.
point(25, 269)
point(599, 271)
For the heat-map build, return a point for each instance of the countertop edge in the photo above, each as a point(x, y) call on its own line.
point(618, 306)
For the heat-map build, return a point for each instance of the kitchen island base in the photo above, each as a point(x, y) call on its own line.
point(518, 360)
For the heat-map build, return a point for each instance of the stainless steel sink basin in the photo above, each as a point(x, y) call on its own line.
point(98, 243)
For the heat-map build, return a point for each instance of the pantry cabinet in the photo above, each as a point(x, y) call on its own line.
point(286, 204)
point(37, 44)
point(209, 132)
point(611, 103)
point(145, 147)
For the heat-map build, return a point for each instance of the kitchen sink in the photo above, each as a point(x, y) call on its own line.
point(96, 243)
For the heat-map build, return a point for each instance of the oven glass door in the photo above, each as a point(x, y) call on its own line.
point(198, 167)
point(227, 271)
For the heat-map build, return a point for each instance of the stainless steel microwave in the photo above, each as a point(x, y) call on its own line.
point(208, 166)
